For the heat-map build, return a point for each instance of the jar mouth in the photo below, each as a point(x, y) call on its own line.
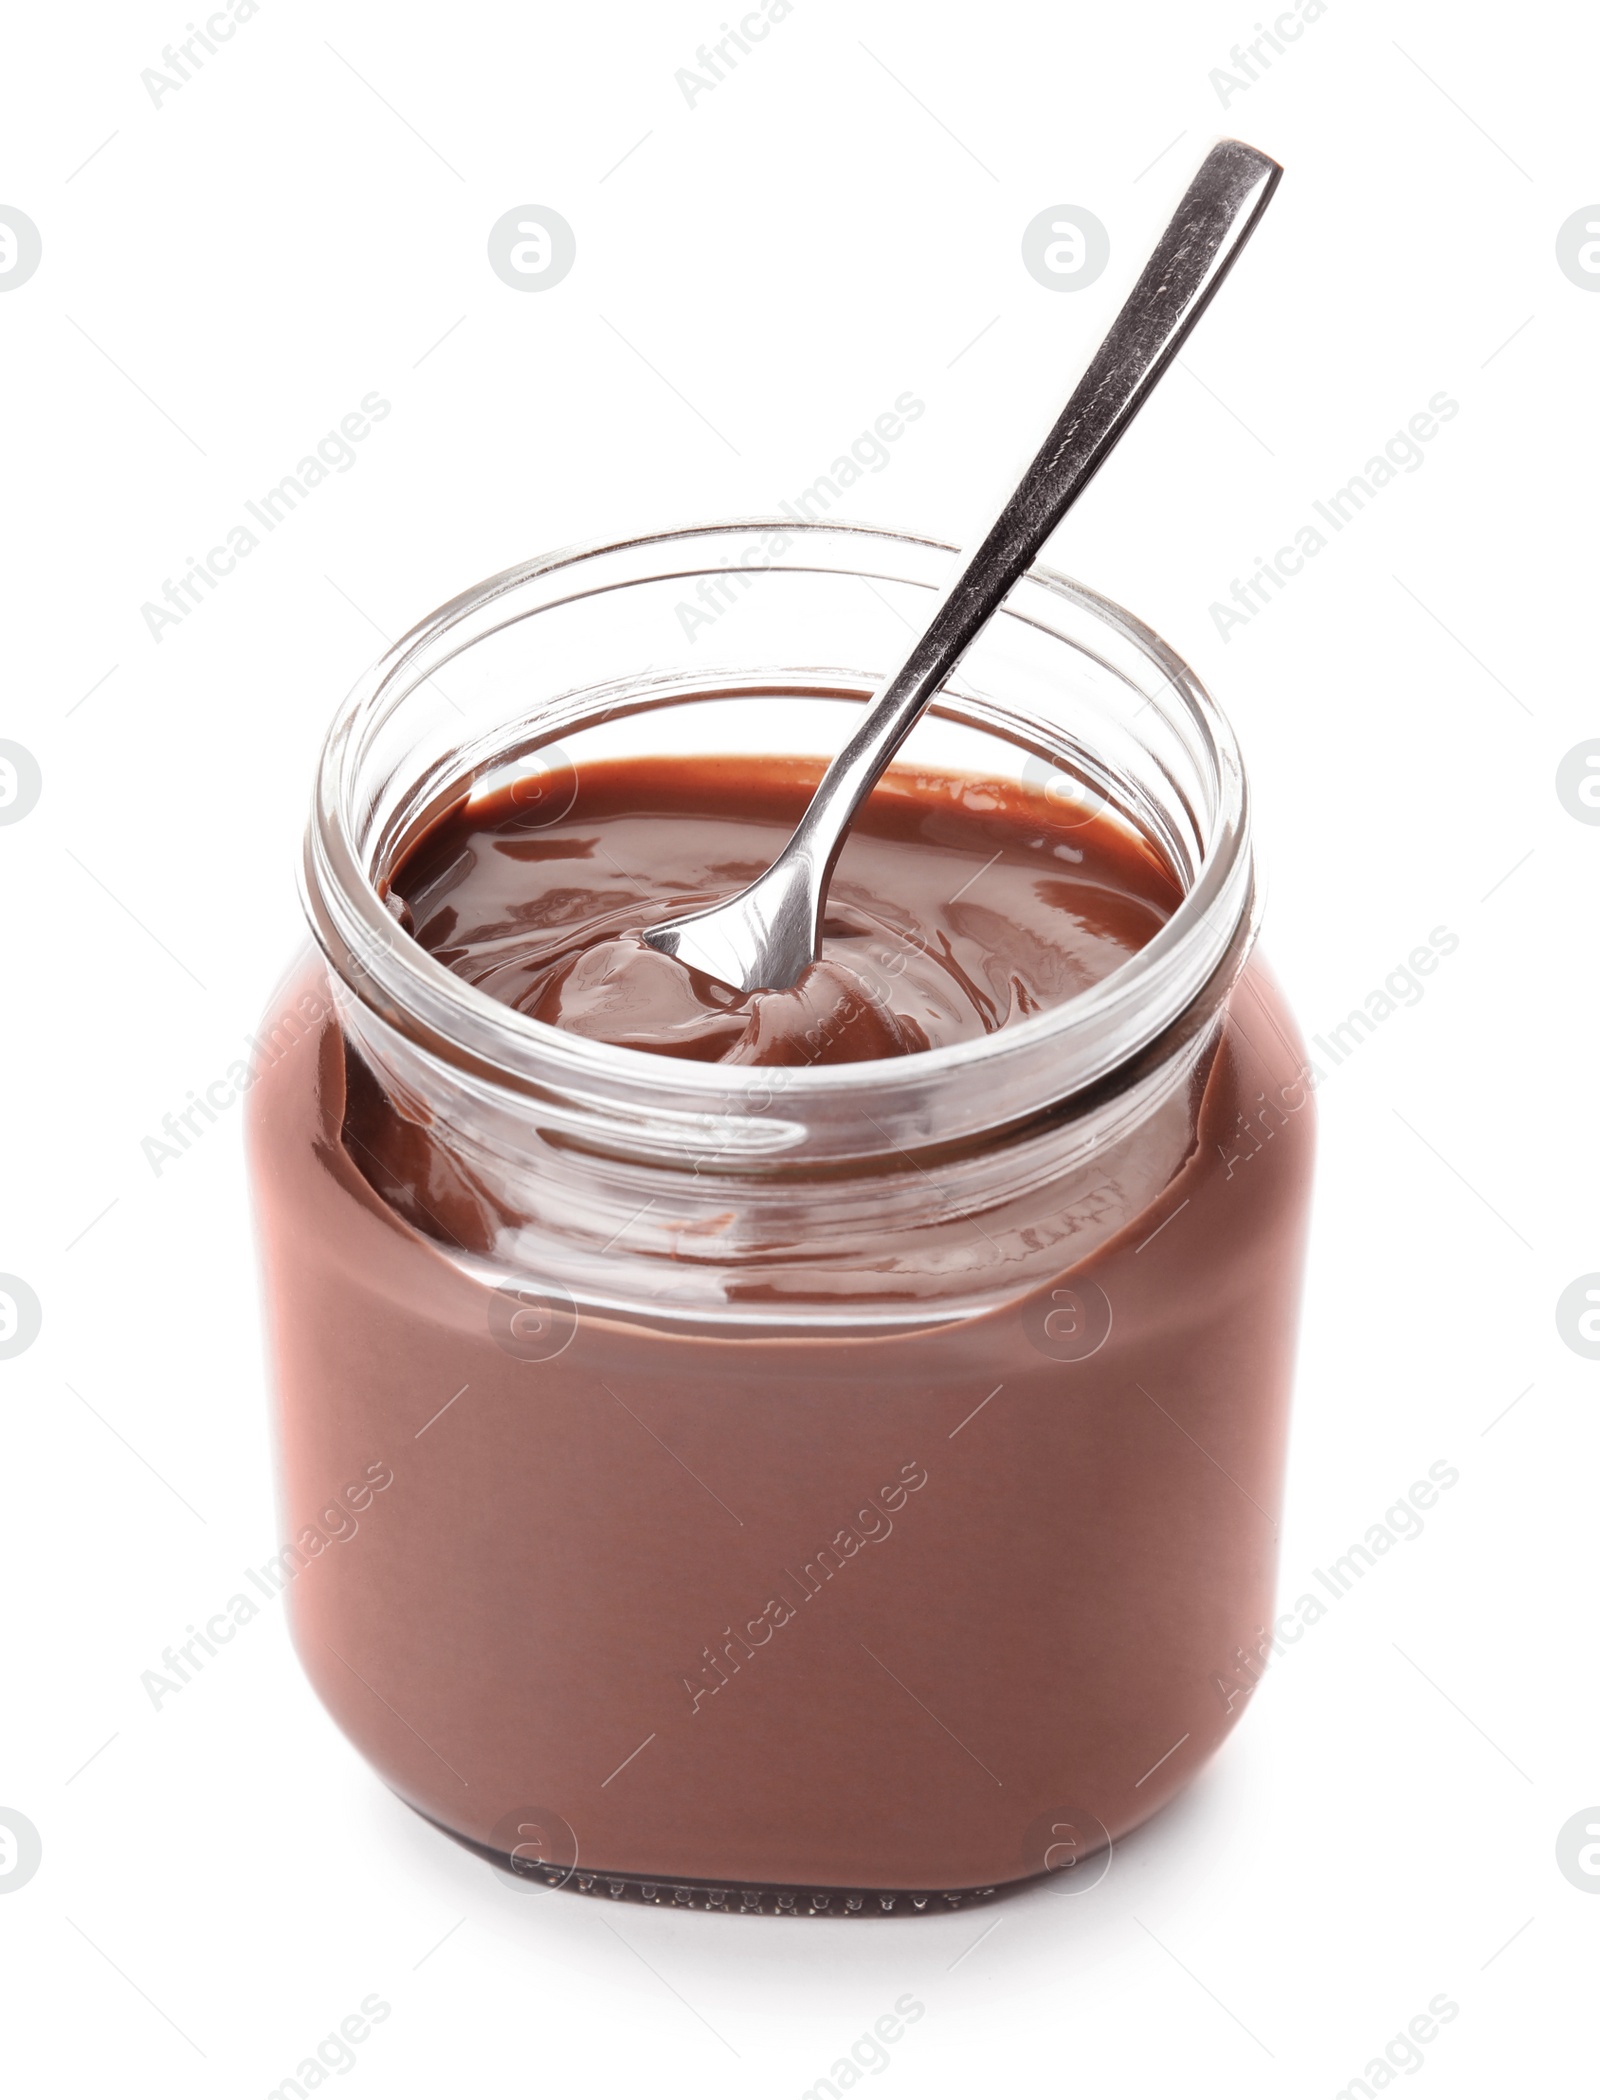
point(393, 760)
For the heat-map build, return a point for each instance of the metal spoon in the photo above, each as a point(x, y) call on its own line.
point(766, 936)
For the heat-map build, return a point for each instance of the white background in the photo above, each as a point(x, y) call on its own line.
point(837, 222)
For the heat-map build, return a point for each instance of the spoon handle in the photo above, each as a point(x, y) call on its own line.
point(1218, 214)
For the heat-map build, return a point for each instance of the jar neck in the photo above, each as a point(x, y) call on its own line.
point(1061, 678)
point(900, 1238)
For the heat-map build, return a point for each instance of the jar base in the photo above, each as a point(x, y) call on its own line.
point(729, 1898)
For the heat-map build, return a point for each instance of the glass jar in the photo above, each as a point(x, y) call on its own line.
point(829, 1489)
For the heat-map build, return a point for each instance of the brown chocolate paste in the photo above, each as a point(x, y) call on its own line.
point(958, 905)
point(731, 1612)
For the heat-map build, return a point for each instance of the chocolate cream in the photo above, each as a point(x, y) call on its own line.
point(764, 1606)
point(957, 907)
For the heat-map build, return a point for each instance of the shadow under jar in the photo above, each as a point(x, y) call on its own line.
point(836, 1487)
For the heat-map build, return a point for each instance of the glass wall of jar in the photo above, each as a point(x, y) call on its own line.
point(827, 1486)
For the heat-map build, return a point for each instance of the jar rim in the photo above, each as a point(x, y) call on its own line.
point(397, 983)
